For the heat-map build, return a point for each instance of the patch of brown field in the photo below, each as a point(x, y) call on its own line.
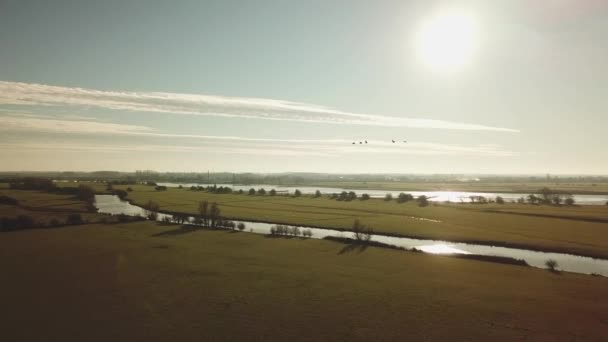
point(126, 282)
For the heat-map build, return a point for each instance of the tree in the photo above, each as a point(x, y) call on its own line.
point(532, 199)
point(241, 226)
point(556, 199)
point(403, 197)
point(214, 214)
point(297, 193)
point(129, 189)
point(569, 200)
point(203, 212)
point(365, 197)
point(261, 192)
point(273, 192)
point(351, 196)
point(363, 234)
point(317, 194)
point(252, 191)
point(109, 187)
point(551, 265)
point(388, 197)
point(500, 200)
point(423, 201)
point(161, 188)
point(152, 210)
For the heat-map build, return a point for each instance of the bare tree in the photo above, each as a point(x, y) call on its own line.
point(203, 212)
point(363, 234)
point(214, 214)
point(151, 211)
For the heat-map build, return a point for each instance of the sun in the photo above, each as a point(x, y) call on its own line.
point(447, 41)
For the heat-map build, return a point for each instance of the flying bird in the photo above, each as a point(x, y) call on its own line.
point(393, 141)
point(366, 141)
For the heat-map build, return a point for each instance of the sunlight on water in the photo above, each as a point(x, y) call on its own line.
point(441, 249)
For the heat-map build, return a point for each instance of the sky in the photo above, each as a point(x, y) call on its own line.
point(500, 87)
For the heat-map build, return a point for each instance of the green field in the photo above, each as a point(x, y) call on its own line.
point(44, 207)
point(145, 281)
point(580, 229)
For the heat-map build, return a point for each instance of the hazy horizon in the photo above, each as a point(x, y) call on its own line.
point(273, 87)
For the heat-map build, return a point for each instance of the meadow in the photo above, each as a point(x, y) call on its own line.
point(147, 281)
point(580, 230)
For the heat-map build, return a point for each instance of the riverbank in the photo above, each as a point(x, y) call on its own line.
point(459, 223)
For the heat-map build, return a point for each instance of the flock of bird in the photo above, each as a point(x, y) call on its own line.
point(361, 142)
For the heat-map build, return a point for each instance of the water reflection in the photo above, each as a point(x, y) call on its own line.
point(441, 248)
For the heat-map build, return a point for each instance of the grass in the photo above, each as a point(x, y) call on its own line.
point(580, 230)
point(44, 207)
point(132, 282)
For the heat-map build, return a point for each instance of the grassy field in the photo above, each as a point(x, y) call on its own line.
point(580, 229)
point(44, 207)
point(511, 187)
point(145, 281)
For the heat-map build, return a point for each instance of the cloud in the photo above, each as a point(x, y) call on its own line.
point(225, 144)
point(16, 93)
point(37, 124)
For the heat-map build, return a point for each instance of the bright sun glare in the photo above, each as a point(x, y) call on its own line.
point(447, 42)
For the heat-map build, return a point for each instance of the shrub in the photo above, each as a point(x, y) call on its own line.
point(551, 265)
point(388, 197)
point(241, 226)
point(161, 188)
point(32, 183)
point(85, 193)
point(129, 189)
point(8, 200)
point(365, 197)
point(403, 197)
point(423, 201)
point(569, 201)
point(252, 191)
point(500, 200)
point(121, 194)
point(273, 192)
point(317, 194)
point(261, 192)
point(74, 219)
point(25, 222)
point(297, 193)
